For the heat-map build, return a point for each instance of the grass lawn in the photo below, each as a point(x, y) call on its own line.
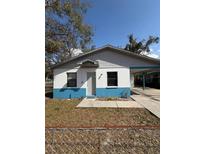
point(64, 113)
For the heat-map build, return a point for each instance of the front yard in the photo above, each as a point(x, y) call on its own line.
point(64, 113)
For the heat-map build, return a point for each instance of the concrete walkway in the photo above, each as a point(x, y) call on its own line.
point(150, 104)
point(149, 92)
point(110, 104)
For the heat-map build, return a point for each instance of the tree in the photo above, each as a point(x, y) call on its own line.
point(142, 46)
point(65, 29)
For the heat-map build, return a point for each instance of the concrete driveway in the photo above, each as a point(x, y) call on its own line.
point(148, 92)
point(147, 102)
point(149, 98)
point(109, 104)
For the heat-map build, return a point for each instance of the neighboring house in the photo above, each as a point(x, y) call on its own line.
point(103, 72)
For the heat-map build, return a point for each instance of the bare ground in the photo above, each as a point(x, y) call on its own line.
point(65, 132)
point(63, 113)
point(93, 141)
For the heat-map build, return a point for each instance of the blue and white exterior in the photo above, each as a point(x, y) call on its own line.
point(109, 59)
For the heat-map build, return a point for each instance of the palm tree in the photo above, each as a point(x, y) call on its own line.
point(142, 46)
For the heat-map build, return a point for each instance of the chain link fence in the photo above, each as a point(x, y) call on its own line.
point(102, 140)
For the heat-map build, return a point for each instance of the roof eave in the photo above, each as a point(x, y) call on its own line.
point(104, 47)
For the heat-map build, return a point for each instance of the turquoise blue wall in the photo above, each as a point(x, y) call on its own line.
point(64, 93)
point(113, 92)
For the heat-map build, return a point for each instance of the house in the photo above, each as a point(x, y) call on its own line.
point(103, 72)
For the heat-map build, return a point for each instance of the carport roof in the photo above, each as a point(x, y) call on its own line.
point(157, 61)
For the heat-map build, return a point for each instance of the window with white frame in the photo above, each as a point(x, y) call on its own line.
point(72, 79)
point(112, 79)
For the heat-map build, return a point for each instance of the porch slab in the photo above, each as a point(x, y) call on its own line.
point(129, 104)
point(109, 104)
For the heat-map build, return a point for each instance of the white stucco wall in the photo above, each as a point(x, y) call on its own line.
point(111, 59)
point(123, 77)
point(108, 61)
point(60, 77)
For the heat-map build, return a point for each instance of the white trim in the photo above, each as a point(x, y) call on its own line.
point(110, 87)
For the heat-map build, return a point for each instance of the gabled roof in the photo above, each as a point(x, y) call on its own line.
point(88, 63)
point(119, 50)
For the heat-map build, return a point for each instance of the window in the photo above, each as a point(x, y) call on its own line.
point(112, 79)
point(71, 79)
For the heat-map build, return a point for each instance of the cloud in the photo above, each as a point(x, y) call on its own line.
point(152, 55)
point(75, 52)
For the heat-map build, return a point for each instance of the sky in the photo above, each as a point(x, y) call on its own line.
point(114, 20)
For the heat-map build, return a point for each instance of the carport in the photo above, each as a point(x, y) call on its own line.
point(144, 72)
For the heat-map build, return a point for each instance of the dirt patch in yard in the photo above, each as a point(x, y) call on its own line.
point(64, 113)
point(114, 99)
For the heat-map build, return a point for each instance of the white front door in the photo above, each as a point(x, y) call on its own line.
point(91, 83)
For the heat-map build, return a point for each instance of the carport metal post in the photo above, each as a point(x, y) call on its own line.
point(143, 78)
